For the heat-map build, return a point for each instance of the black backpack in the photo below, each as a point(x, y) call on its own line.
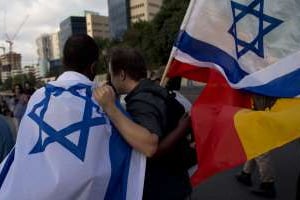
point(184, 152)
point(175, 111)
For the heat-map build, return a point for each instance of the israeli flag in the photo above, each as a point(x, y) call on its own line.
point(67, 149)
point(254, 44)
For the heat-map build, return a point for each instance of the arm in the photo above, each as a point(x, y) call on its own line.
point(168, 143)
point(137, 136)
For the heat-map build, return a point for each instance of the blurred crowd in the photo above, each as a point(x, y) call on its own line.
point(12, 108)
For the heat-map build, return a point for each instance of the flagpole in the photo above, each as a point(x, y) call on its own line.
point(164, 78)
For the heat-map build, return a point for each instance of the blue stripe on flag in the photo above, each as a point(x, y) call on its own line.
point(7, 166)
point(285, 86)
point(205, 52)
point(120, 157)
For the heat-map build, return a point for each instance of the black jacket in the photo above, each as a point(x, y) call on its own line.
point(147, 106)
point(166, 178)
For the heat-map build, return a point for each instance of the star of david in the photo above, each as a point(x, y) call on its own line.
point(60, 136)
point(257, 45)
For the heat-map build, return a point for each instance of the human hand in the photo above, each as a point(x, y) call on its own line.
point(105, 96)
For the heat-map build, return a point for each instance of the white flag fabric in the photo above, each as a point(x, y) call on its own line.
point(67, 149)
point(255, 44)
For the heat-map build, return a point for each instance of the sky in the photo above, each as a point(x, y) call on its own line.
point(44, 17)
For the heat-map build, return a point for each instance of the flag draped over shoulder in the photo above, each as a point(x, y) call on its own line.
point(67, 149)
point(240, 47)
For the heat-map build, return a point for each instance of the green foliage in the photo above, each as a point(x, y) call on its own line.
point(54, 72)
point(22, 78)
point(166, 27)
point(19, 79)
point(31, 79)
point(7, 84)
point(104, 45)
point(156, 38)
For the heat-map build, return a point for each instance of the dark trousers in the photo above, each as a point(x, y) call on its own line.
point(298, 188)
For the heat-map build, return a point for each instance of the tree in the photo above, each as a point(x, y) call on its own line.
point(31, 79)
point(54, 72)
point(7, 85)
point(104, 45)
point(156, 38)
point(19, 79)
point(166, 25)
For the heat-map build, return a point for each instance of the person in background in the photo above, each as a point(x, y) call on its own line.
point(17, 91)
point(173, 85)
point(28, 89)
point(6, 138)
point(20, 103)
point(263, 162)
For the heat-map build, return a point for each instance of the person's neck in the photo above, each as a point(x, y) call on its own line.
point(88, 75)
point(131, 85)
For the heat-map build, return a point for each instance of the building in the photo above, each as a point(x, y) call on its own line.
point(144, 10)
point(70, 26)
point(44, 49)
point(13, 59)
point(9, 62)
point(32, 70)
point(44, 46)
point(16, 72)
point(56, 67)
point(97, 25)
point(48, 49)
point(5, 72)
point(29, 70)
point(54, 42)
point(119, 17)
point(37, 73)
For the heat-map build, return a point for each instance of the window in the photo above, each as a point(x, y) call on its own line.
point(137, 6)
point(154, 5)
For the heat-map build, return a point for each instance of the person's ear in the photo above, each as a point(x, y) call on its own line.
point(123, 75)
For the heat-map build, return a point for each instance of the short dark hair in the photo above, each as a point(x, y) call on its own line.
point(130, 60)
point(20, 88)
point(80, 51)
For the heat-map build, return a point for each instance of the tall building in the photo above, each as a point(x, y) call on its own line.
point(119, 17)
point(44, 53)
point(44, 46)
point(144, 10)
point(71, 25)
point(54, 42)
point(13, 59)
point(10, 62)
point(97, 25)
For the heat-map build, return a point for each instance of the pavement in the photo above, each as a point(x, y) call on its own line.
point(286, 162)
